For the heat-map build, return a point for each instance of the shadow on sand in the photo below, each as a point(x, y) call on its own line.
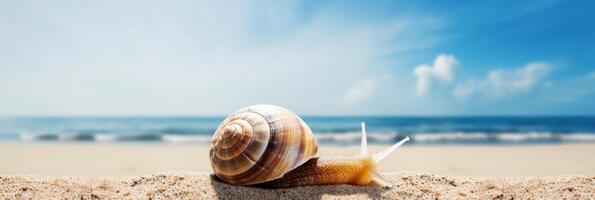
point(226, 191)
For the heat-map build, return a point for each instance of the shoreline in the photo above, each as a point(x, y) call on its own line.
point(330, 138)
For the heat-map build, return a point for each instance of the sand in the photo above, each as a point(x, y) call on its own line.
point(97, 160)
point(140, 171)
point(406, 185)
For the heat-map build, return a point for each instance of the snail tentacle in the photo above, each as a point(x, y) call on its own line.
point(364, 143)
point(377, 157)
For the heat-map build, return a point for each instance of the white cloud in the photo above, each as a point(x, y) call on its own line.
point(502, 83)
point(359, 92)
point(442, 70)
point(194, 59)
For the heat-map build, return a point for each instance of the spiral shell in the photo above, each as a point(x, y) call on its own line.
point(260, 143)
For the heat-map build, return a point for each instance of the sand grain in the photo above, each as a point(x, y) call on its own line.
point(186, 185)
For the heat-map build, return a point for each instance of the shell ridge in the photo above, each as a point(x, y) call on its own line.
point(271, 136)
point(259, 164)
point(302, 147)
point(239, 144)
point(279, 154)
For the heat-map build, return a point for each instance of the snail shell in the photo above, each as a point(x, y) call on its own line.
point(271, 146)
point(260, 143)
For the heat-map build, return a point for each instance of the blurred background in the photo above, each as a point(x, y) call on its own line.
point(152, 72)
point(488, 72)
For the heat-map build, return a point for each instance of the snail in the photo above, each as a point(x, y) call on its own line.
point(270, 146)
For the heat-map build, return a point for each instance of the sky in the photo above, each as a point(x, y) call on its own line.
point(151, 58)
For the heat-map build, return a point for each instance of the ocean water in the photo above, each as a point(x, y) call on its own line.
point(328, 130)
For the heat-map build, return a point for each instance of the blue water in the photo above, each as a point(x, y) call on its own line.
point(329, 130)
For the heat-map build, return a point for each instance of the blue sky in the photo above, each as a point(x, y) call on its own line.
point(315, 57)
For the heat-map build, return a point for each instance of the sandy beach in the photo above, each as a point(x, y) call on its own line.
point(91, 171)
point(97, 160)
point(406, 185)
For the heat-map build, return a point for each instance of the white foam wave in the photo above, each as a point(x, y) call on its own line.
point(185, 139)
point(28, 136)
point(105, 137)
point(335, 138)
point(520, 137)
point(66, 136)
point(38, 136)
point(441, 137)
point(354, 137)
point(578, 137)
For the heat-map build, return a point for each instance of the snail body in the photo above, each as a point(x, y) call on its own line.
point(357, 170)
point(271, 146)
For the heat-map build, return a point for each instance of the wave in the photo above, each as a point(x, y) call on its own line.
point(355, 137)
point(336, 138)
point(579, 137)
point(109, 138)
point(186, 139)
point(452, 137)
point(461, 138)
point(531, 136)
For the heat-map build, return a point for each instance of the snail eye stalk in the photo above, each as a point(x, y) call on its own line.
point(377, 157)
point(364, 145)
point(380, 155)
point(384, 153)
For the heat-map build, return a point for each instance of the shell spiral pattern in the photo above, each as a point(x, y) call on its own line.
point(260, 143)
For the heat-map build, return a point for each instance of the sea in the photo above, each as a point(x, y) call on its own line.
point(332, 130)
